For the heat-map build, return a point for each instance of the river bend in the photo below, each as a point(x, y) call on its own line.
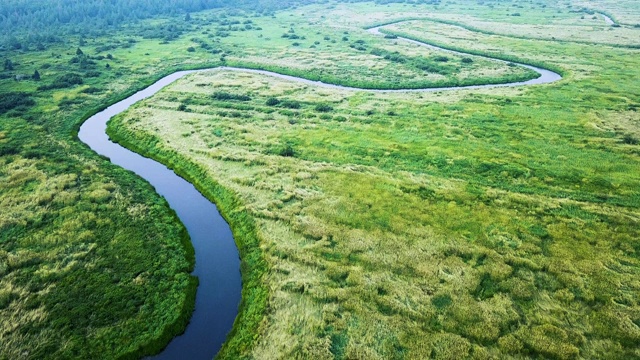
point(217, 262)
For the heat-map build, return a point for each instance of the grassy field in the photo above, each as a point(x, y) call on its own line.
point(470, 224)
point(485, 223)
point(90, 256)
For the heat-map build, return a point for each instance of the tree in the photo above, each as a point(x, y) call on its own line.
point(36, 75)
point(187, 17)
point(8, 65)
point(79, 52)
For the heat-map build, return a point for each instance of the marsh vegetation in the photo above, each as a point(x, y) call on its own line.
point(479, 224)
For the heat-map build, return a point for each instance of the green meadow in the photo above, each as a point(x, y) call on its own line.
point(485, 223)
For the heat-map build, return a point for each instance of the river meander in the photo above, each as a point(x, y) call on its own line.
point(217, 262)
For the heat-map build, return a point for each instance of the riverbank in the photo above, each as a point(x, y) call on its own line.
point(377, 212)
point(246, 238)
point(65, 238)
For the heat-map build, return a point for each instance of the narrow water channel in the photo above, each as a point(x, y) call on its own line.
point(608, 20)
point(217, 262)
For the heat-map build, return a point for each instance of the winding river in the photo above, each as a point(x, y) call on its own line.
point(217, 262)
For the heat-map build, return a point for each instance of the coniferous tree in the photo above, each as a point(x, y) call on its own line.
point(8, 65)
point(36, 75)
point(79, 52)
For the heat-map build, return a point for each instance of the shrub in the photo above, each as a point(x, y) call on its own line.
point(63, 81)
point(8, 65)
point(91, 90)
point(323, 108)
point(290, 104)
point(221, 95)
point(287, 151)
point(467, 60)
point(630, 139)
point(272, 101)
point(92, 74)
point(13, 100)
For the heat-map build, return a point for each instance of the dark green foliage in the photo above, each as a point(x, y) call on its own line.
point(224, 96)
point(91, 90)
point(339, 342)
point(15, 100)
point(36, 75)
point(442, 301)
point(272, 101)
point(283, 149)
point(286, 151)
point(630, 139)
point(323, 108)
point(8, 65)
point(290, 104)
point(63, 81)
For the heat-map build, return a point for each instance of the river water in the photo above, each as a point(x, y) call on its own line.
point(217, 262)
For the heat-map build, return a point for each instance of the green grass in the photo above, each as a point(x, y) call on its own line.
point(481, 223)
point(492, 223)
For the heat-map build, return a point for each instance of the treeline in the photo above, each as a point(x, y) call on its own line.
point(35, 21)
point(28, 24)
